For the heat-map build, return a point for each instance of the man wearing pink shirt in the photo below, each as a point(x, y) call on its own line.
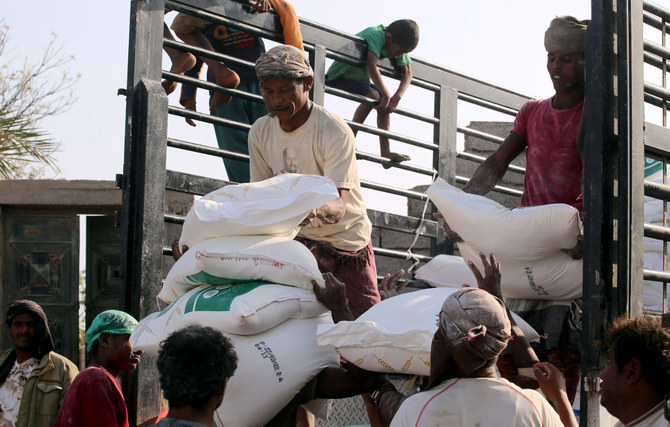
point(547, 129)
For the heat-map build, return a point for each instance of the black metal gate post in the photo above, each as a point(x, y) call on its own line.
point(600, 161)
point(630, 125)
point(143, 180)
point(613, 177)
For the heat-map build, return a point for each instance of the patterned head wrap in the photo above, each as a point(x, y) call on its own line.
point(43, 342)
point(283, 62)
point(475, 327)
point(565, 34)
point(109, 322)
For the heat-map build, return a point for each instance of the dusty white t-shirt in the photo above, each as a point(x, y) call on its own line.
point(476, 402)
point(655, 417)
point(11, 391)
point(324, 145)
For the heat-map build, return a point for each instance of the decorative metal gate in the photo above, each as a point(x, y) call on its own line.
point(42, 264)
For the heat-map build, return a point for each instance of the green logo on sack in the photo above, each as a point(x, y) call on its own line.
point(214, 298)
point(204, 278)
point(219, 297)
point(651, 167)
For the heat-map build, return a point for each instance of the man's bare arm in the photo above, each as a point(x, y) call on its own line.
point(338, 382)
point(405, 80)
point(522, 352)
point(376, 77)
point(494, 167)
point(552, 383)
point(330, 213)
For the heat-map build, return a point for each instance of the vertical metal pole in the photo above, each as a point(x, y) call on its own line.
point(143, 180)
point(630, 85)
point(444, 162)
point(319, 66)
point(599, 172)
point(446, 109)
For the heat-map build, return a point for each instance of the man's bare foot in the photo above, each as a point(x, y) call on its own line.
point(396, 157)
point(180, 64)
point(227, 78)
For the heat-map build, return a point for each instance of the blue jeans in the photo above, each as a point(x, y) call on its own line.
point(243, 111)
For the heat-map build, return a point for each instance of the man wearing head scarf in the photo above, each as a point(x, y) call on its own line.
point(33, 378)
point(338, 233)
point(95, 398)
point(547, 129)
point(463, 388)
point(474, 327)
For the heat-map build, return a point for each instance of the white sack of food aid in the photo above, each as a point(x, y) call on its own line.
point(558, 277)
point(241, 309)
point(446, 270)
point(524, 234)
point(227, 260)
point(272, 367)
point(395, 334)
point(274, 206)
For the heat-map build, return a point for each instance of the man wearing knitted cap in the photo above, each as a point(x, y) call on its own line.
point(338, 233)
point(473, 329)
point(463, 389)
point(95, 398)
point(548, 130)
point(33, 378)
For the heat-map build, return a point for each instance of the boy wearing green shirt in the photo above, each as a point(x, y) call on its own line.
point(394, 41)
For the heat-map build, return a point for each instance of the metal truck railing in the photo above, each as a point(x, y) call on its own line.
point(619, 99)
point(448, 88)
point(148, 141)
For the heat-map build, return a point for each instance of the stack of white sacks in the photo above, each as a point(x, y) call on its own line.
point(244, 275)
point(528, 242)
point(395, 335)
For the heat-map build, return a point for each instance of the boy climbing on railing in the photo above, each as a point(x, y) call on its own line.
point(239, 44)
point(394, 41)
point(188, 28)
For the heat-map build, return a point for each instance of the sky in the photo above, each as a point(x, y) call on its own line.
point(495, 41)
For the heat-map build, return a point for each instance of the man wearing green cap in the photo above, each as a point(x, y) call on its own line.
point(95, 397)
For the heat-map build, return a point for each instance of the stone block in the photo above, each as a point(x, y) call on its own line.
point(375, 237)
point(401, 241)
point(510, 179)
point(178, 203)
point(485, 148)
point(474, 144)
point(415, 207)
point(391, 265)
